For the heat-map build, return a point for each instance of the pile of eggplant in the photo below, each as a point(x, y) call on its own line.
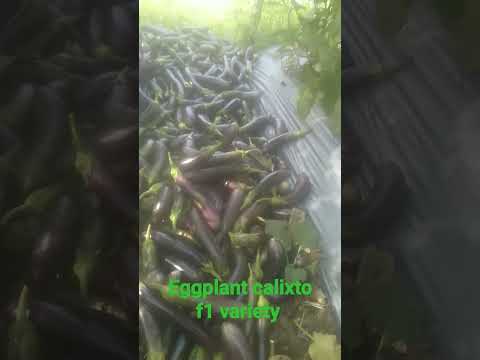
point(210, 174)
point(68, 183)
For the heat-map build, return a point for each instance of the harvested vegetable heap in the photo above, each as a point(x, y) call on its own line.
point(210, 181)
point(68, 180)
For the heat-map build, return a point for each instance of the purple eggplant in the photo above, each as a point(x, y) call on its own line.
point(170, 312)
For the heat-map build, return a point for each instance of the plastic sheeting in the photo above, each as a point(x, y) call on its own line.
point(318, 155)
point(425, 120)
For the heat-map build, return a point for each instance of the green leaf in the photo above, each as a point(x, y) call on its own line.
point(324, 347)
point(305, 234)
point(293, 274)
point(279, 230)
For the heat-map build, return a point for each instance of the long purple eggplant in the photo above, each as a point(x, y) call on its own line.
point(170, 312)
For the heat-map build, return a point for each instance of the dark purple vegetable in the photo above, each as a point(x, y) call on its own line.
point(150, 330)
point(265, 185)
point(108, 188)
point(119, 139)
point(216, 173)
point(53, 248)
point(231, 106)
point(159, 161)
point(196, 161)
point(232, 211)
point(262, 339)
point(276, 260)
point(171, 313)
point(211, 82)
point(92, 329)
point(274, 143)
point(240, 269)
point(173, 244)
point(209, 213)
point(300, 191)
point(181, 348)
point(222, 158)
point(235, 342)
point(188, 273)
point(207, 239)
point(249, 216)
point(256, 124)
point(51, 133)
point(16, 111)
point(162, 207)
point(231, 181)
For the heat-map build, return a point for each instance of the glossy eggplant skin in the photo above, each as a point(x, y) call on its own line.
point(276, 260)
point(51, 249)
point(171, 244)
point(162, 207)
point(150, 331)
point(249, 216)
point(188, 272)
point(113, 192)
point(213, 173)
point(265, 185)
point(262, 339)
point(170, 312)
point(235, 342)
point(256, 124)
point(16, 111)
point(46, 141)
point(240, 269)
point(232, 211)
point(222, 155)
point(207, 240)
point(271, 180)
point(274, 143)
point(181, 349)
point(69, 124)
point(98, 332)
point(300, 191)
